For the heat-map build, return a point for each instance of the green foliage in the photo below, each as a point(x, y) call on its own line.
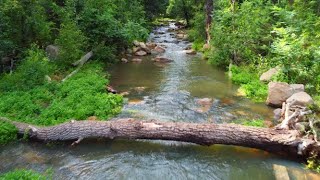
point(29, 74)
point(23, 175)
point(8, 132)
point(71, 42)
point(313, 163)
point(253, 122)
point(249, 83)
point(79, 97)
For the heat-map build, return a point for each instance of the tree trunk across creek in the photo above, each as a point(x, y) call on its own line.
point(272, 140)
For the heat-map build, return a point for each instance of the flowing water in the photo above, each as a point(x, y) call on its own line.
point(167, 92)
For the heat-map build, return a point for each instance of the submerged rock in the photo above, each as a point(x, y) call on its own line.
point(191, 52)
point(136, 60)
point(162, 59)
point(159, 49)
point(141, 53)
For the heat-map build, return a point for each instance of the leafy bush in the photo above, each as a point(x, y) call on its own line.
point(8, 132)
point(249, 83)
point(30, 73)
point(79, 97)
point(22, 175)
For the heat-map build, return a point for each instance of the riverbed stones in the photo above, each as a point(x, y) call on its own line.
point(191, 52)
point(141, 53)
point(124, 60)
point(136, 60)
point(267, 76)
point(205, 101)
point(151, 45)
point(301, 99)
point(162, 59)
point(159, 49)
point(278, 93)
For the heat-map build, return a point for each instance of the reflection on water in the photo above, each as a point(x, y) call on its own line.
point(169, 93)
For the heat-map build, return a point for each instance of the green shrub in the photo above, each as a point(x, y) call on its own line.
point(29, 74)
point(79, 97)
point(249, 83)
point(22, 175)
point(253, 122)
point(8, 132)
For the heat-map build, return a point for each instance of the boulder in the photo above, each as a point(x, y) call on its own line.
point(52, 52)
point(191, 52)
point(266, 77)
point(162, 59)
point(301, 99)
point(136, 49)
point(278, 93)
point(297, 88)
point(136, 43)
point(151, 45)
point(141, 53)
point(143, 45)
point(137, 60)
point(159, 49)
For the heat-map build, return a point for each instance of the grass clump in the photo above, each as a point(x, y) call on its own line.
point(8, 133)
point(253, 122)
point(249, 83)
point(23, 175)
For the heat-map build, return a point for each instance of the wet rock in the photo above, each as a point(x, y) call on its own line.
point(139, 89)
point(135, 49)
point(52, 52)
point(277, 114)
point(126, 93)
point(151, 45)
point(188, 47)
point(301, 99)
point(159, 49)
point(205, 101)
point(297, 88)
point(267, 76)
point(33, 157)
point(136, 102)
point(162, 59)
point(280, 172)
point(141, 53)
point(110, 89)
point(278, 93)
point(191, 52)
point(136, 43)
point(136, 60)
point(124, 60)
point(227, 101)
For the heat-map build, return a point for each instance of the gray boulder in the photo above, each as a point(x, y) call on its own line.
point(52, 52)
point(301, 99)
point(266, 77)
point(278, 92)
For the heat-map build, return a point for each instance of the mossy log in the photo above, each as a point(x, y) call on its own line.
point(276, 141)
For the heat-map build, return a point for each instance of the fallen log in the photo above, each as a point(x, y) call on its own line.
point(272, 140)
point(79, 63)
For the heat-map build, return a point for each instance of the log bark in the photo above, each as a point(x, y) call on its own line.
point(272, 140)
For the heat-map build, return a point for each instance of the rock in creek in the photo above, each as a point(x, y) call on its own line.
point(141, 53)
point(191, 52)
point(136, 60)
point(162, 59)
point(159, 49)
